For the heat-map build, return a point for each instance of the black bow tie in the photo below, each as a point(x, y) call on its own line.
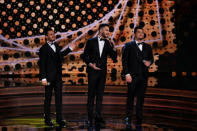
point(51, 43)
point(139, 43)
point(101, 39)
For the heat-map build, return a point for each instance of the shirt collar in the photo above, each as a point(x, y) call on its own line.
point(138, 42)
point(50, 43)
point(99, 38)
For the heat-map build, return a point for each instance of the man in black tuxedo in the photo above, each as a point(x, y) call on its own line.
point(50, 64)
point(95, 56)
point(136, 59)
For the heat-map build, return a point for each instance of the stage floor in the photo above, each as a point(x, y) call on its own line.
point(21, 108)
point(31, 118)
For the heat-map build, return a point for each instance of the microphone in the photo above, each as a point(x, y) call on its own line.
point(111, 42)
point(48, 83)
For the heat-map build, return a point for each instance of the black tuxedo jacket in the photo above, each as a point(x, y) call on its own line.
point(50, 62)
point(132, 58)
point(91, 54)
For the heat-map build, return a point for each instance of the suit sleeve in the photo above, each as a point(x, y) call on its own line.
point(66, 52)
point(150, 55)
point(112, 53)
point(125, 53)
point(42, 63)
point(86, 54)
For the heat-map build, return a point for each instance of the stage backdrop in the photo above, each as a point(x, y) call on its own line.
point(22, 27)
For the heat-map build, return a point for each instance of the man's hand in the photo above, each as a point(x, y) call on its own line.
point(44, 82)
point(112, 44)
point(72, 45)
point(94, 66)
point(128, 78)
point(147, 63)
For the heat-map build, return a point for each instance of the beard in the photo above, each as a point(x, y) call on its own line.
point(104, 35)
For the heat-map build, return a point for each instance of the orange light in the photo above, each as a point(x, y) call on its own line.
point(79, 18)
point(5, 24)
point(26, 9)
point(110, 2)
point(22, 16)
point(15, 11)
point(12, 29)
point(44, 12)
point(173, 74)
point(85, 23)
point(89, 17)
point(23, 27)
point(30, 32)
point(28, 21)
point(61, 16)
point(99, 4)
point(184, 73)
point(193, 73)
point(10, 18)
point(83, 12)
point(100, 15)
point(7, 36)
point(3, 13)
point(105, 8)
point(18, 34)
point(94, 10)
point(74, 25)
point(88, 5)
point(17, 23)
point(71, 3)
point(9, 6)
point(77, 7)
point(67, 20)
point(72, 13)
point(82, 1)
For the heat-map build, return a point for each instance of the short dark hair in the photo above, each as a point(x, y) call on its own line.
point(47, 30)
point(137, 28)
point(103, 25)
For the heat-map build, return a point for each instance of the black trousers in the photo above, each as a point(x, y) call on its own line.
point(57, 86)
point(96, 85)
point(136, 88)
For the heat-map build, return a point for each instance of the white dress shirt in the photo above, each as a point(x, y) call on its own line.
point(139, 46)
point(101, 45)
point(52, 46)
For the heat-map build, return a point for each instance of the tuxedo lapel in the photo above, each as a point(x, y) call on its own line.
point(137, 48)
point(104, 49)
point(51, 51)
point(145, 51)
point(58, 49)
point(97, 46)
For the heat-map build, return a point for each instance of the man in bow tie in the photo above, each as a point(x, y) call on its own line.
point(50, 64)
point(95, 56)
point(136, 59)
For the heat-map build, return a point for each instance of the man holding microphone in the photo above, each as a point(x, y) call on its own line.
point(50, 64)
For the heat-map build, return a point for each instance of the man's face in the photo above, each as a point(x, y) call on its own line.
point(139, 35)
point(104, 32)
point(51, 36)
